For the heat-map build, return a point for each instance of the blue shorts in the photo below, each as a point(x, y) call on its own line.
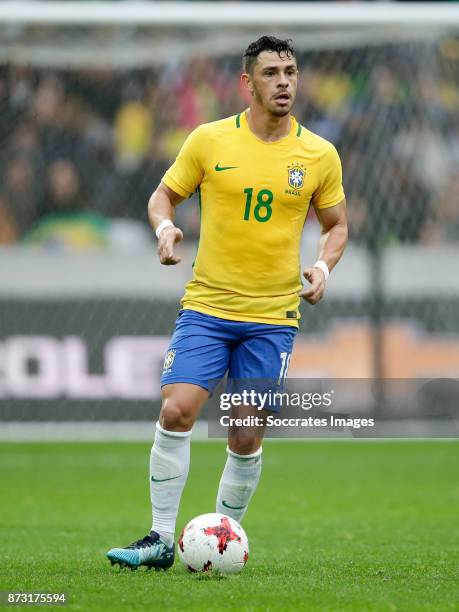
point(204, 348)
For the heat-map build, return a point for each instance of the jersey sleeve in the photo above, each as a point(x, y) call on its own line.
point(330, 191)
point(186, 172)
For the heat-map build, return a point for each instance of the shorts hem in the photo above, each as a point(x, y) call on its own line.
point(184, 379)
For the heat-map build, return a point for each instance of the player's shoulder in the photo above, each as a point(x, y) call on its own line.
point(221, 126)
point(314, 142)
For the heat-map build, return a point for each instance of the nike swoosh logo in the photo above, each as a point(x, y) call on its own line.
point(163, 479)
point(232, 507)
point(220, 168)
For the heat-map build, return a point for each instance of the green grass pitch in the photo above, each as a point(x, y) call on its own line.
point(333, 526)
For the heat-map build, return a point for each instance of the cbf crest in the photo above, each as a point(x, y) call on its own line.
point(168, 360)
point(296, 174)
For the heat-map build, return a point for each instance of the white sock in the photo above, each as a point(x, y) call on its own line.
point(238, 483)
point(169, 465)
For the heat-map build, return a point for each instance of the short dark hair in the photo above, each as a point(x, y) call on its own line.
point(266, 43)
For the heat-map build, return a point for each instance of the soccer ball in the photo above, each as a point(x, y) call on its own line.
point(213, 541)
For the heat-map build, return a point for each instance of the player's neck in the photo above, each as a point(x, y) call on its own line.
point(266, 126)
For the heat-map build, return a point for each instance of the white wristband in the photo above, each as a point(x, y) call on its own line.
point(323, 266)
point(162, 225)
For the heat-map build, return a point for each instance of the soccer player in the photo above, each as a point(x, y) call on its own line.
point(256, 174)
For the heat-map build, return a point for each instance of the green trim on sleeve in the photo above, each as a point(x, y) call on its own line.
point(200, 203)
point(200, 217)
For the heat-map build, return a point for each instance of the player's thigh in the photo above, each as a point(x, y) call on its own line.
point(198, 353)
point(264, 353)
point(259, 363)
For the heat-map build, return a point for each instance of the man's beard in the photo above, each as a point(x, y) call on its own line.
point(279, 112)
point(276, 112)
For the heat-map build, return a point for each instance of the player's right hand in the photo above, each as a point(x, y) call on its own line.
point(166, 242)
point(316, 289)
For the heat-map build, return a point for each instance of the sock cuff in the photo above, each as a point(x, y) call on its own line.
point(257, 453)
point(172, 434)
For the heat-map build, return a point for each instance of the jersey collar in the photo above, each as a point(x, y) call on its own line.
point(245, 126)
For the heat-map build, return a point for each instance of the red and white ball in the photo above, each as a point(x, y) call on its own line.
point(213, 542)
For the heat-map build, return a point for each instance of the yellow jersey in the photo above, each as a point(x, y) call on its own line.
point(254, 197)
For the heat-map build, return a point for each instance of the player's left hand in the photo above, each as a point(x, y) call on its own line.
point(316, 290)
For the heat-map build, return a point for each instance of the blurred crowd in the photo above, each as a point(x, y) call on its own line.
point(81, 151)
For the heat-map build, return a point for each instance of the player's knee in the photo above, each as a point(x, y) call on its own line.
point(176, 416)
point(244, 443)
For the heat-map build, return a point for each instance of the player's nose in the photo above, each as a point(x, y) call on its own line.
point(283, 80)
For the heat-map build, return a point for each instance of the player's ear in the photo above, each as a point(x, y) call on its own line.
point(247, 82)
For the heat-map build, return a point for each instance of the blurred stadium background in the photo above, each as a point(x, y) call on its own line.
point(95, 101)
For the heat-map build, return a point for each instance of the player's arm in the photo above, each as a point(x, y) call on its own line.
point(179, 182)
point(161, 214)
point(332, 243)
